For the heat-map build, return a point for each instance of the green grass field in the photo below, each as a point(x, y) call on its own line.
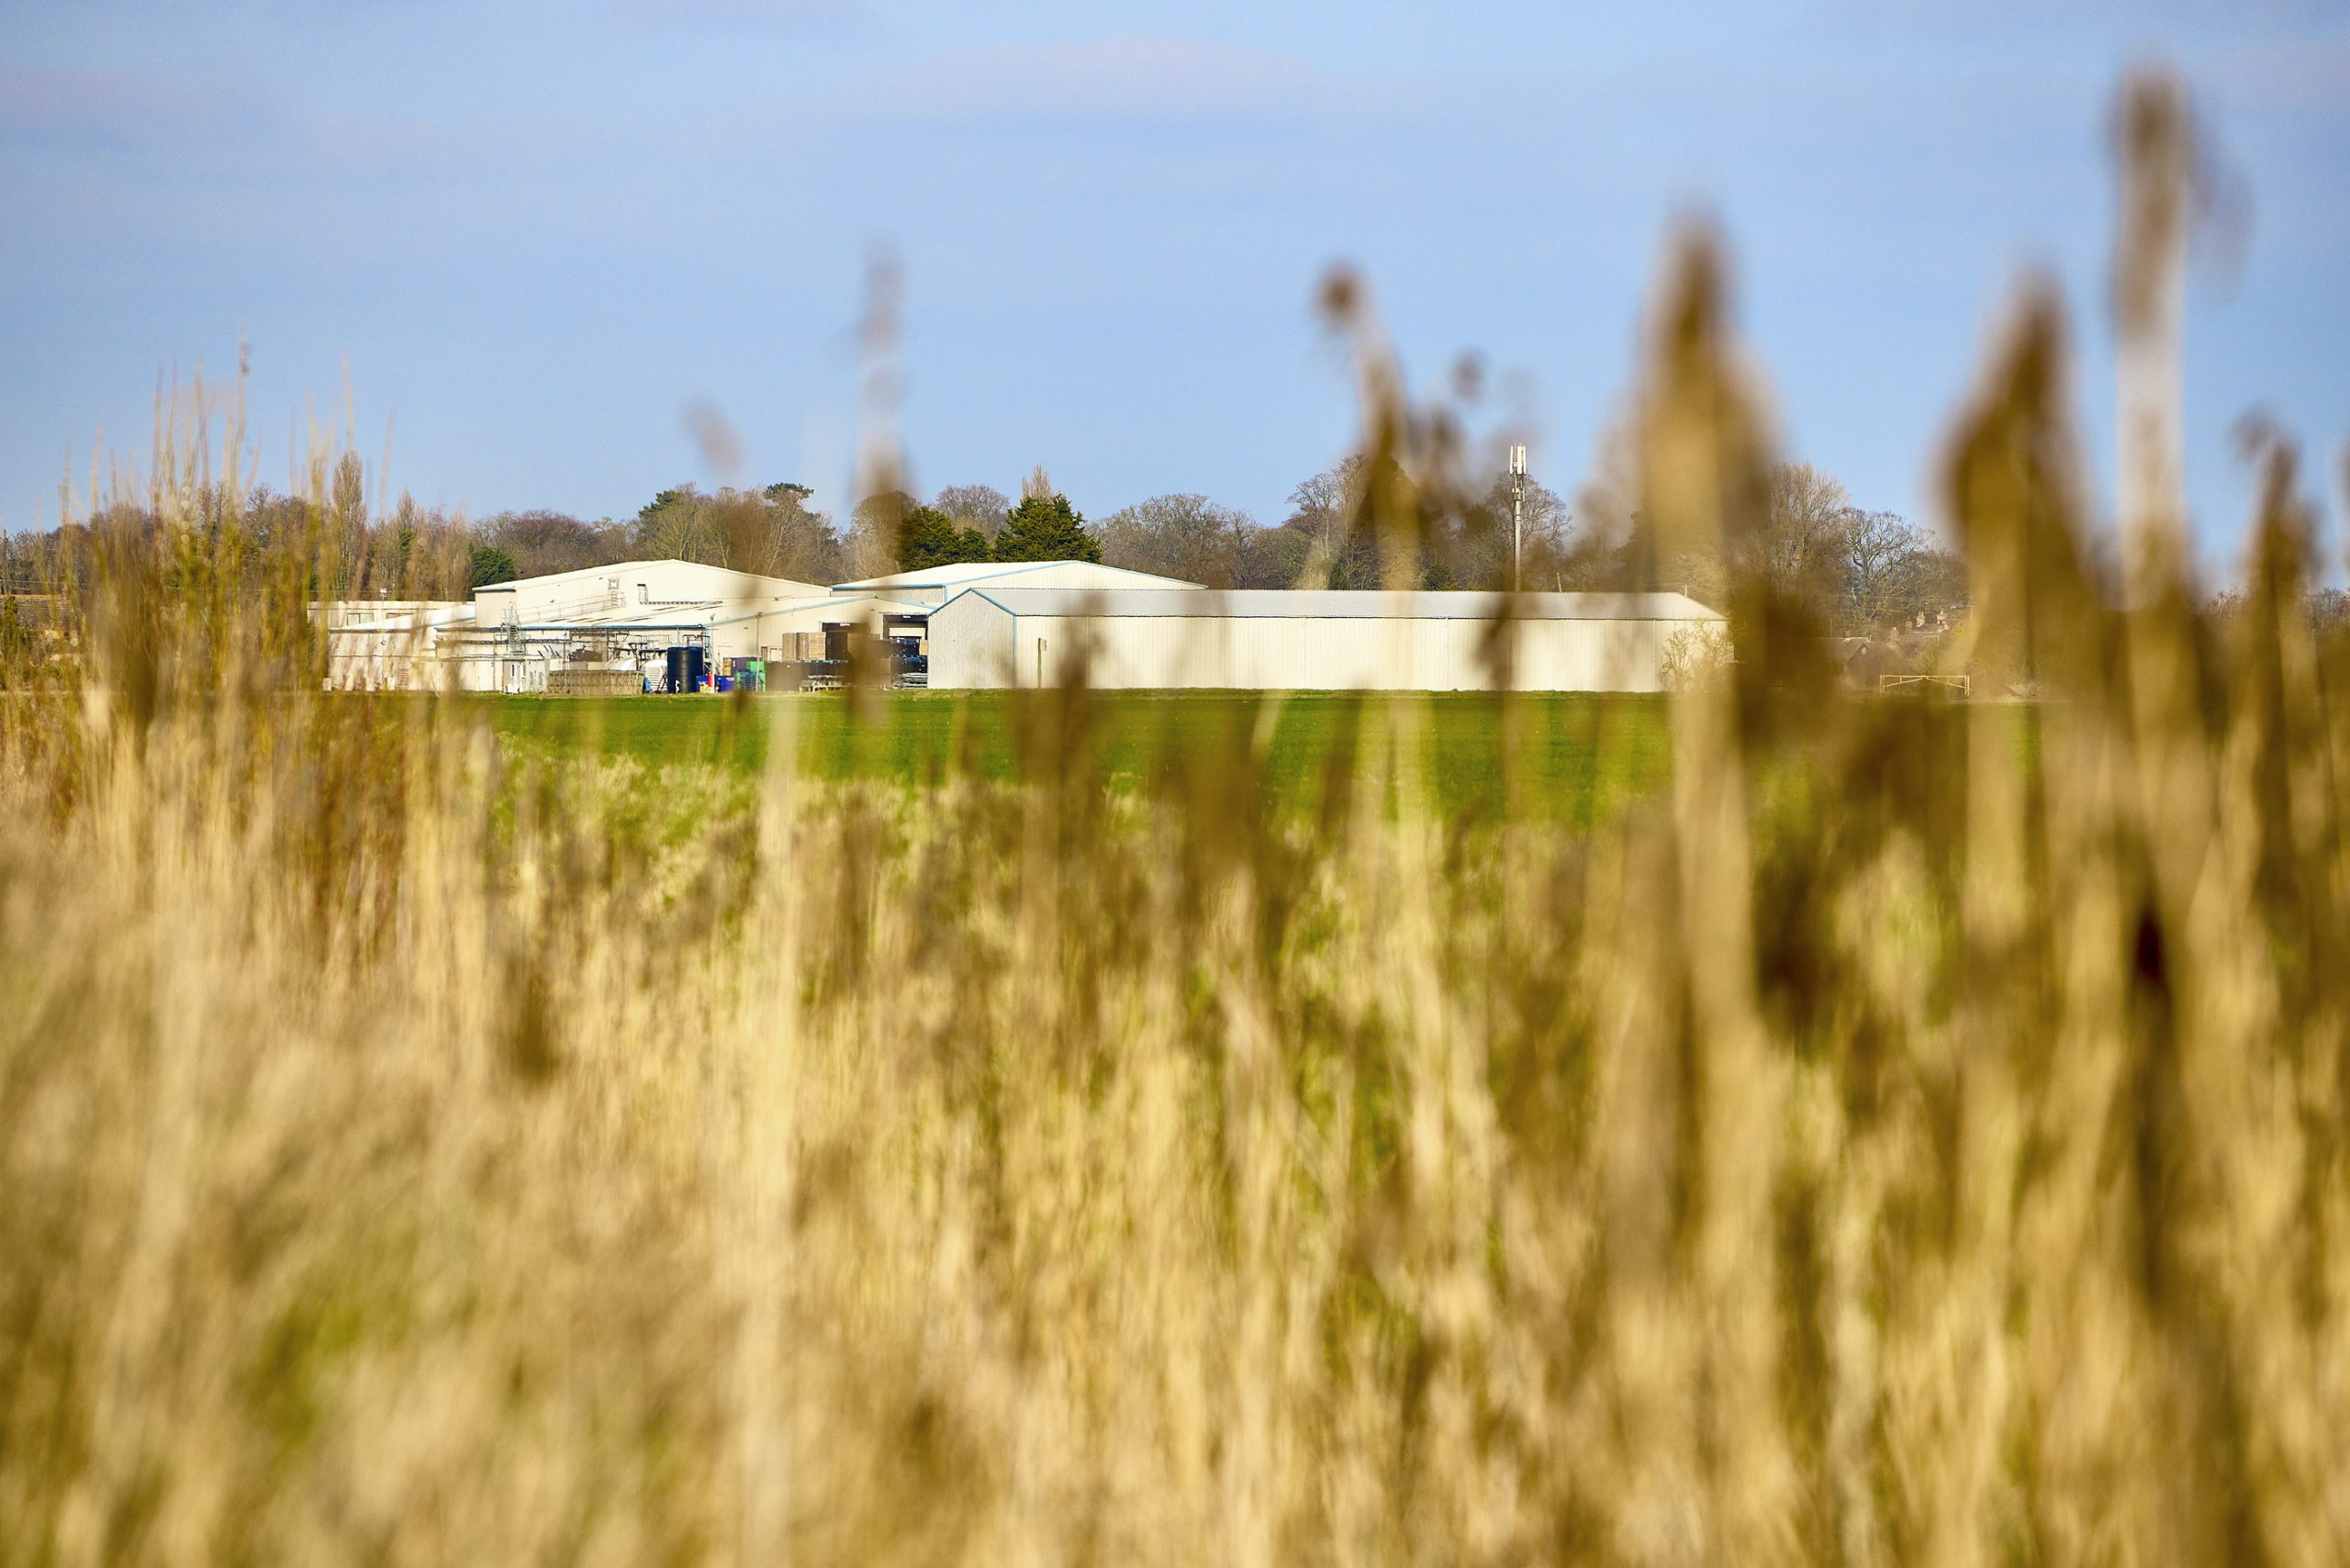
point(1574, 754)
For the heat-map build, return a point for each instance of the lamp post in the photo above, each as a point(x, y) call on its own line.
point(1517, 518)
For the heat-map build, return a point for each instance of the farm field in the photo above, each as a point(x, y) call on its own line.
point(1574, 754)
point(1784, 1124)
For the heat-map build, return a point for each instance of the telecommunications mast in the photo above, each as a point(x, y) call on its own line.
point(1517, 516)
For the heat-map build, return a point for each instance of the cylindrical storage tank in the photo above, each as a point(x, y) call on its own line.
point(697, 665)
point(674, 678)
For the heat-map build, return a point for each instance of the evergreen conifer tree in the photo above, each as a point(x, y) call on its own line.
point(928, 537)
point(1046, 528)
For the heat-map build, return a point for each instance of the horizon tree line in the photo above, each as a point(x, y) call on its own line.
point(1854, 569)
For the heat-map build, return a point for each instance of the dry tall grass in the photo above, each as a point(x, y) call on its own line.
point(1918, 1138)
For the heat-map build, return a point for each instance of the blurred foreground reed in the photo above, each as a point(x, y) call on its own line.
point(1916, 1133)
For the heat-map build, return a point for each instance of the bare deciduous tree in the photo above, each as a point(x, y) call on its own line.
point(870, 550)
point(982, 507)
point(800, 540)
point(1876, 548)
point(1798, 546)
point(1186, 536)
point(1331, 514)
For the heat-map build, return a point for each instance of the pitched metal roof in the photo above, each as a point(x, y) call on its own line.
point(1327, 604)
point(624, 569)
point(963, 572)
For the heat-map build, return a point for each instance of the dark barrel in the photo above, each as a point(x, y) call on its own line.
point(686, 665)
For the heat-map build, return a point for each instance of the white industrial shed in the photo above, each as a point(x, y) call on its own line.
point(1302, 640)
point(999, 624)
point(512, 635)
point(375, 644)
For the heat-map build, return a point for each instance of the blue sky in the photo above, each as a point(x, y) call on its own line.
point(534, 234)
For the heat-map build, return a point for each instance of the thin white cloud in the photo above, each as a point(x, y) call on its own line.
point(117, 108)
point(1126, 77)
point(2007, 16)
point(2302, 75)
point(836, 19)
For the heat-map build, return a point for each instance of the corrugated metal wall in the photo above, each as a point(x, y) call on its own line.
point(972, 638)
point(975, 644)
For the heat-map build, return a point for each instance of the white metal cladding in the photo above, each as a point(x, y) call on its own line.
point(971, 639)
point(1285, 640)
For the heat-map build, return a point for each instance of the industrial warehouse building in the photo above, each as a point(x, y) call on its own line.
point(664, 625)
point(1277, 639)
point(515, 636)
point(612, 628)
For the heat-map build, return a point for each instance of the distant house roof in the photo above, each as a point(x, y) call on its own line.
point(965, 572)
point(1323, 604)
